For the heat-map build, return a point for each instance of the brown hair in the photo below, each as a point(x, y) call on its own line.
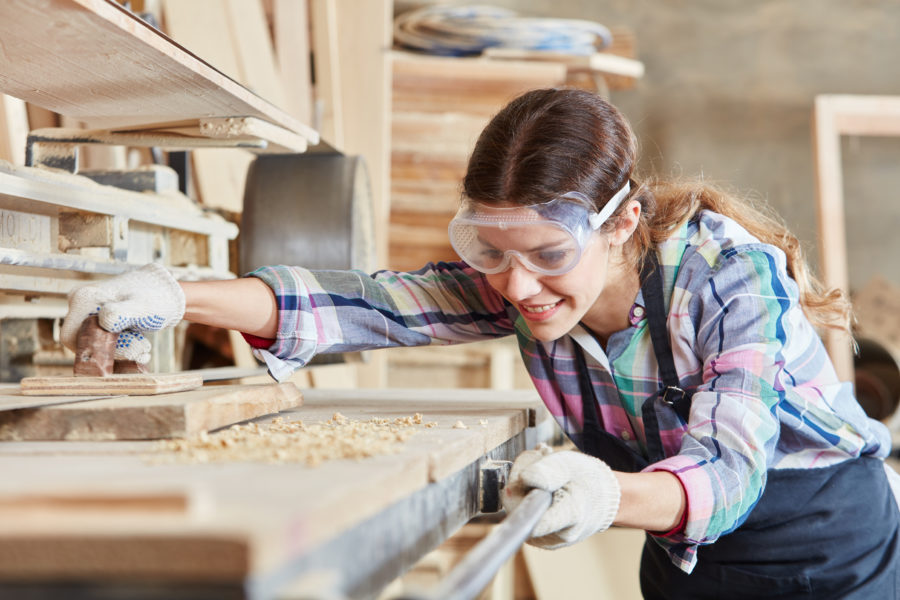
point(552, 140)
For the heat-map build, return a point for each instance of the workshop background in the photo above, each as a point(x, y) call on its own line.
point(725, 90)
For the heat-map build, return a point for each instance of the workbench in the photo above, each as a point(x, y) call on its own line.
point(94, 518)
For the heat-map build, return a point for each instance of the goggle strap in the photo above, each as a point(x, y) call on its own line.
point(598, 219)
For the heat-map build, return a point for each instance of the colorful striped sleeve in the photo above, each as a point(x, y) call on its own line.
point(347, 311)
point(741, 316)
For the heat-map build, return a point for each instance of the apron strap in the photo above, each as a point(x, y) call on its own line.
point(594, 440)
point(652, 288)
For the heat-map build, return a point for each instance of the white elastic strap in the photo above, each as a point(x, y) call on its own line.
point(598, 219)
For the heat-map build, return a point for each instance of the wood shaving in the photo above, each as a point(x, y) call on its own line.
point(284, 441)
point(460, 425)
point(483, 422)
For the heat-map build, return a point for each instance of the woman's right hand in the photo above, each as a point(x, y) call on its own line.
point(147, 299)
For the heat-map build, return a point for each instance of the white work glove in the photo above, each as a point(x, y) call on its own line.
point(147, 299)
point(585, 495)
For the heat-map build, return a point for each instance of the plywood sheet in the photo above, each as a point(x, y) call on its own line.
point(175, 415)
point(146, 384)
point(95, 61)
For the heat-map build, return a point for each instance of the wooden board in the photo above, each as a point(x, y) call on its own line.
point(291, 39)
point(14, 400)
point(54, 50)
point(221, 174)
point(147, 384)
point(175, 415)
point(13, 129)
point(303, 506)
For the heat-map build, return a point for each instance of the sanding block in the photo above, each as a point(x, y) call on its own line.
point(97, 373)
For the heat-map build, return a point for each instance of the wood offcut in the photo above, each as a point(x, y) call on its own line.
point(165, 416)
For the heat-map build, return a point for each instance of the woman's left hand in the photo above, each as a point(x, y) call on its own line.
point(585, 495)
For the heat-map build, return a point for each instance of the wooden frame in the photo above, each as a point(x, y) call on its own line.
point(834, 116)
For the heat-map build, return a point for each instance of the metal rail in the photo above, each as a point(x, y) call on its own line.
point(476, 570)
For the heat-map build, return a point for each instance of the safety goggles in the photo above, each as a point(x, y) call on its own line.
point(547, 238)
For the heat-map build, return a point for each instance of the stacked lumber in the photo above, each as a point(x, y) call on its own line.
point(235, 40)
point(440, 105)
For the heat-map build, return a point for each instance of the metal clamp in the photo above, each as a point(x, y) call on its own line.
point(492, 479)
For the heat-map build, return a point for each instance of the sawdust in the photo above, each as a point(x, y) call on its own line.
point(284, 441)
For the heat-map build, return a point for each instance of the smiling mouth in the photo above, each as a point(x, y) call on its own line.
point(539, 310)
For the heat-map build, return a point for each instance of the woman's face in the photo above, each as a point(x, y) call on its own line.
point(553, 304)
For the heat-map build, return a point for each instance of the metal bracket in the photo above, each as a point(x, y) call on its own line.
point(492, 479)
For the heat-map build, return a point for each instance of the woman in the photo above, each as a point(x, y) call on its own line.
point(668, 328)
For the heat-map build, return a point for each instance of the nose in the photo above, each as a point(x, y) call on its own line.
point(521, 283)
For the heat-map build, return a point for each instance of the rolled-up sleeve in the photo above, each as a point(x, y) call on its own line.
point(347, 311)
point(742, 317)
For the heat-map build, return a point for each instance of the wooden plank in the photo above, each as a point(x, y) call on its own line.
point(56, 49)
point(24, 186)
point(466, 428)
point(181, 20)
point(254, 50)
point(175, 415)
point(291, 33)
point(327, 65)
point(598, 62)
point(465, 85)
point(304, 506)
point(12, 399)
point(13, 129)
point(82, 502)
point(221, 174)
point(237, 129)
point(111, 385)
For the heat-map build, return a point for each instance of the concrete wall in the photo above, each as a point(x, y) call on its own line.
point(728, 93)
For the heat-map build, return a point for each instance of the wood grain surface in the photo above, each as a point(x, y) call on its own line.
point(175, 415)
point(146, 384)
point(243, 520)
point(95, 61)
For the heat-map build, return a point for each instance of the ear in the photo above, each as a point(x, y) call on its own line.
point(626, 223)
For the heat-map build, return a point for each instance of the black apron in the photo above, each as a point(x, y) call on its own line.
point(824, 533)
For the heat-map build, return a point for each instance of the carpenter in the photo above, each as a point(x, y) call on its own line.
point(669, 327)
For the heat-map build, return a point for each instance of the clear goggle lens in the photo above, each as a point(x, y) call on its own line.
point(557, 253)
point(547, 238)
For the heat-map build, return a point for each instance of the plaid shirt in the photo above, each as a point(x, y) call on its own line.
point(765, 393)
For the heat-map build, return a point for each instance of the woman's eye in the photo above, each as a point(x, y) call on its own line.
point(491, 254)
point(552, 257)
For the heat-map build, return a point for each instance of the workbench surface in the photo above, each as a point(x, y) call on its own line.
point(98, 513)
